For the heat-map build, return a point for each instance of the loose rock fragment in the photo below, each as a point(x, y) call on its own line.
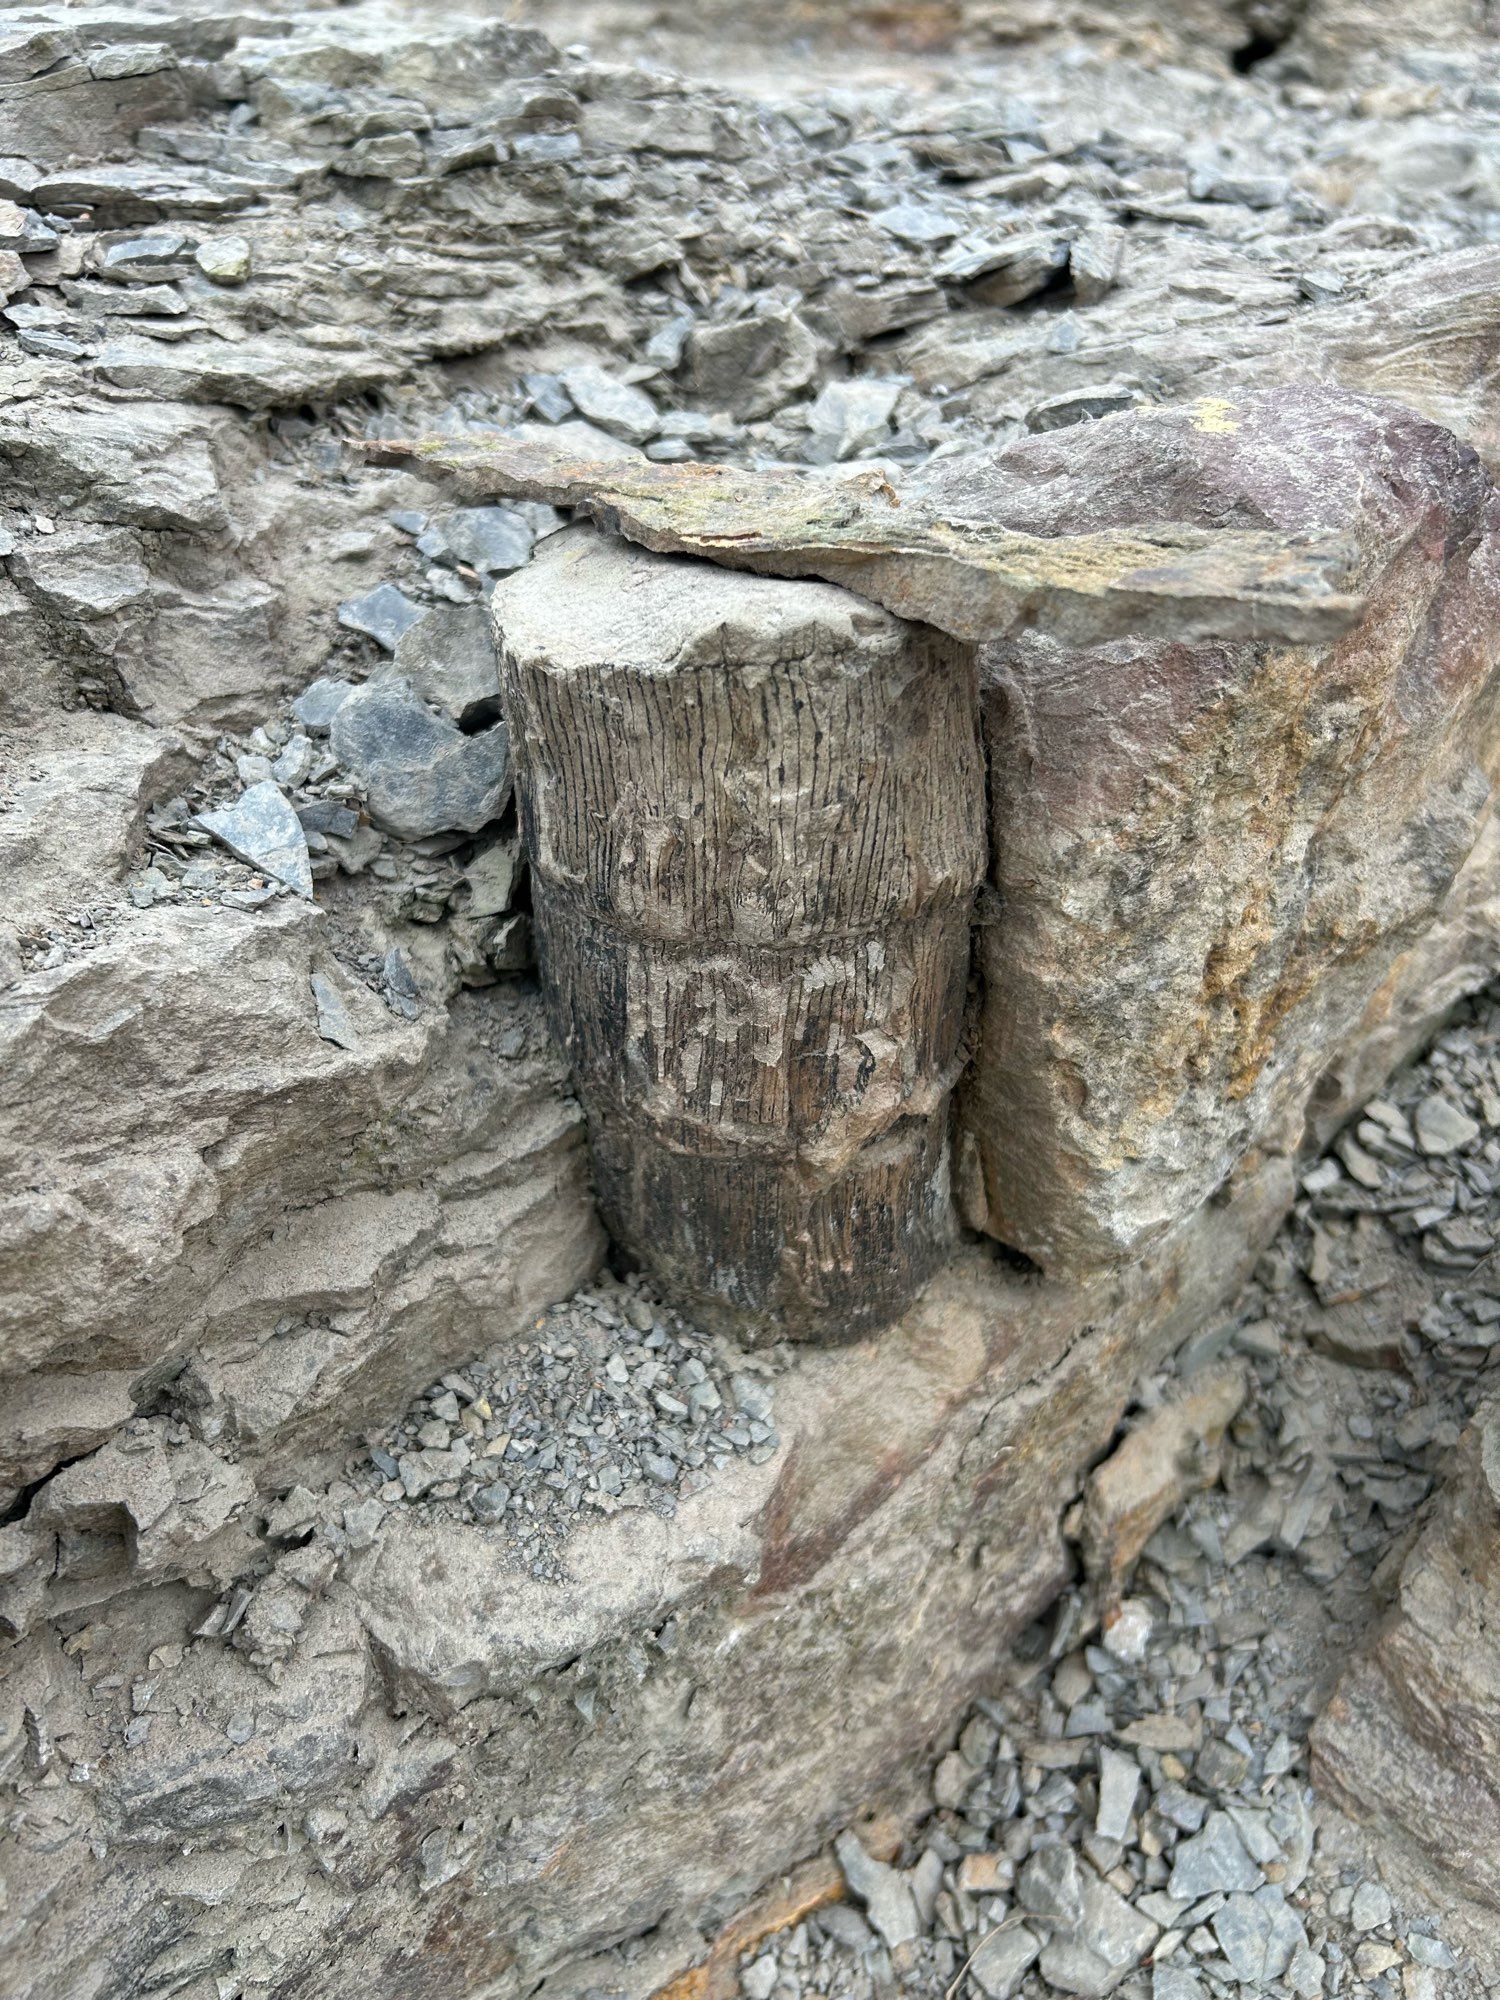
point(383, 614)
point(612, 404)
point(1002, 1961)
point(225, 259)
point(334, 1024)
point(448, 657)
point(751, 366)
point(1119, 1781)
point(493, 540)
point(263, 830)
point(849, 417)
point(1173, 1452)
point(887, 1898)
point(419, 773)
point(1214, 1859)
point(1096, 1937)
point(1441, 1127)
point(319, 702)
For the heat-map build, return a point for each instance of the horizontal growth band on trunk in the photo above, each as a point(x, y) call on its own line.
point(754, 810)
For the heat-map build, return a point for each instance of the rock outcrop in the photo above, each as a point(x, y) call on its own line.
point(1411, 1740)
point(520, 1773)
point(1207, 851)
point(361, 1623)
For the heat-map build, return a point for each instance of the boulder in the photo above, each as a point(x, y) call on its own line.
point(1208, 857)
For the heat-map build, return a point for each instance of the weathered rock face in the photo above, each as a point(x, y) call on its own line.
point(491, 1777)
point(1209, 857)
point(1411, 1740)
point(292, 1221)
point(276, 1714)
point(753, 810)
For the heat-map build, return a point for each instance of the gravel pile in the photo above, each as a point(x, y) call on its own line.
point(616, 1402)
point(1131, 1814)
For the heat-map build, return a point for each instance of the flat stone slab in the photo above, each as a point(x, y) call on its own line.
point(944, 565)
point(262, 830)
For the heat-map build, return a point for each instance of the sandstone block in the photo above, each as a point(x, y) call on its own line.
point(217, 1170)
point(1210, 856)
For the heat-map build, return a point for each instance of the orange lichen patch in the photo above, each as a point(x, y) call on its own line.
point(812, 1885)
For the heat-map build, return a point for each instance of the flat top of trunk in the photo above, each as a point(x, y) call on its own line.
point(588, 600)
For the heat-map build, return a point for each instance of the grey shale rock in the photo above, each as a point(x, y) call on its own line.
point(263, 830)
point(382, 614)
point(751, 366)
point(492, 540)
point(1095, 1937)
point(319, 702)
point(888, 1900)
point(334, 1024)
point(1213, 1861)
point(448, 658)
point(612, 404)
point(419, 773)
point(1119, 1781)
point(1002, 1961)
point(1259, 1935)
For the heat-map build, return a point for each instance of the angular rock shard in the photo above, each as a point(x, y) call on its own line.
point(264, 832)
point(946, 563)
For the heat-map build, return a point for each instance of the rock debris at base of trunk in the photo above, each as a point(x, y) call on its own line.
point(428, 1564)
point(1140, 1785)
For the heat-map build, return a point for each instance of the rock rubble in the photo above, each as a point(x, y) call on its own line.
point(1132, 1813)
point(612, 1403)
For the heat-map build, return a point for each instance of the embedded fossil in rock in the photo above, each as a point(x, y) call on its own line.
point(754, 812)
point(1201, 883)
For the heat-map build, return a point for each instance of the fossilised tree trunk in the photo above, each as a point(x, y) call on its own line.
point(754, 810)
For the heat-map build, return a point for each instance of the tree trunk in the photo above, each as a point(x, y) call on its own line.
point(754, 810)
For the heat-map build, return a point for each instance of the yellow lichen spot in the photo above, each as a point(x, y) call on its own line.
point(1215, 415)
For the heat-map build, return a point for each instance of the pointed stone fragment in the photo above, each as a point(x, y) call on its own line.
point(262, 829)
